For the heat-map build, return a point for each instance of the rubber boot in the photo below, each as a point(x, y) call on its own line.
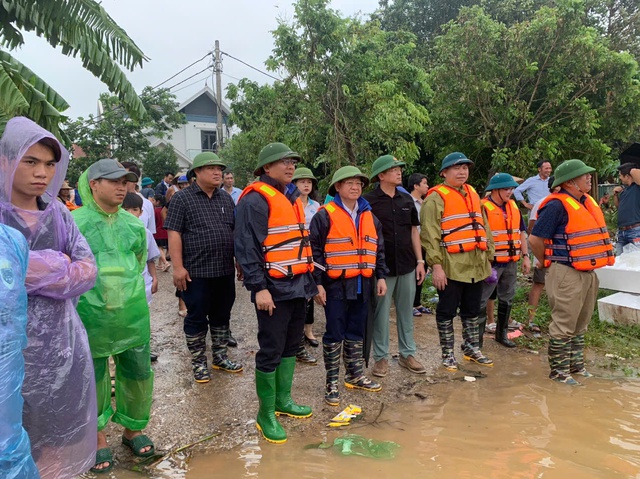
point(198, 348)
point(284, 403)
point(266, 422)
point(502, 328)
point(560, 361)
point(231, 341)
point(303, 356)
point(354, 377)
point(331, 353)
point(445, 332)
point(219, 338)
point(470, 346)
point(577, 357)
point(482, 324)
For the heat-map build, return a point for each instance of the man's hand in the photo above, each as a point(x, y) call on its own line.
point(381, 287)
point(526, 264)
point(321, 297)
point(264, 301)
point(527, 205)
point(617, 190)
point(239, 274)
point(439, 278)
point(180, 278)
point(420, 273)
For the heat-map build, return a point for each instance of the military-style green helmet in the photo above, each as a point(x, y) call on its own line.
point(345, 173)
point(384, 163)
point(303, 173)
point(455, 158)
point(501, 180)
point(206, 158)
point(271, 153)
point(569, 170)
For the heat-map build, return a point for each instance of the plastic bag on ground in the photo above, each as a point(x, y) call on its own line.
point(356, 445)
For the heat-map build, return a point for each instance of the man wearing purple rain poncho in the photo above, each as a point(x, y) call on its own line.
point(59, 386)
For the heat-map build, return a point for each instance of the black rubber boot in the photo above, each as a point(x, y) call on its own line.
point(502, 326)
point(198, 348)
point(331, 353)
point(302, 355)
point(219, 338)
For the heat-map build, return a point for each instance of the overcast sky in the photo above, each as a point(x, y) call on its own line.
point(174, 34)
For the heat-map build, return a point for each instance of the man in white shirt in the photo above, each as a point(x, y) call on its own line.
point(228, 181)
point(148, 216)
point(535, 187)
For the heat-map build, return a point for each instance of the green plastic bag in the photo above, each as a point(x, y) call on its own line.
point(356, 445)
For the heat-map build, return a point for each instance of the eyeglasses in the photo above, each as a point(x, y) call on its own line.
point(289, 161)
point(351, 183)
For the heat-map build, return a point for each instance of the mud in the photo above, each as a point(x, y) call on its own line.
point(185, 412)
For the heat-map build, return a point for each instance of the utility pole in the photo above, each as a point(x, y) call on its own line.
point(218, 70)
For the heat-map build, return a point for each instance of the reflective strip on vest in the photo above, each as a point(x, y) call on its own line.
point(505, 230)
point(286, 249)
point(461, 226)
point(588, 241)
point(349, 253)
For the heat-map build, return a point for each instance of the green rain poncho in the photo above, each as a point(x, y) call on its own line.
point(115, 312)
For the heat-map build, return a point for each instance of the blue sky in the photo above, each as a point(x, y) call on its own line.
point(173, 35)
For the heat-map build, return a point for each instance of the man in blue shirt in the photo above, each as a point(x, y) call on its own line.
point(627, 200)
point(535, 187)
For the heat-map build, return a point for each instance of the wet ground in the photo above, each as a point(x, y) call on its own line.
point(512, 423)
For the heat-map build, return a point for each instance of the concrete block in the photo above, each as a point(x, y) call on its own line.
point(619, 279)
point(620, 308)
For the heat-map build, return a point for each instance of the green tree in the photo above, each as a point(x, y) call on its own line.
point(349, 94)
point(548, 88)
point(158, 161)
point(115, 134)
point(79, 27)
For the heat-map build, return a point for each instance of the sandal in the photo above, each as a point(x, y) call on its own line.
point(139, 442)
point(534, 328)
point(103, 455)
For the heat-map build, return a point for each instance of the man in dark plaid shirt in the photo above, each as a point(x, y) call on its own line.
point(200, 224)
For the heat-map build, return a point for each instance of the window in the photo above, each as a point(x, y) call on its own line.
point(208, 138)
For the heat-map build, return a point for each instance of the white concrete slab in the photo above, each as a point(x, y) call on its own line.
point(620, 308)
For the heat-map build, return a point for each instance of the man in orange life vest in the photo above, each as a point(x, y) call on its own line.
point(459, 246)
point(272, 248)
point(570, 237)
point(348, 249)
point(510, 240)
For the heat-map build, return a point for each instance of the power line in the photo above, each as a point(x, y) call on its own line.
point(251, 66)
point(191, 84)
point(185, 68)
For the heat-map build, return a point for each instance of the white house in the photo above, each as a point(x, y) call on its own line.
point(199, 133)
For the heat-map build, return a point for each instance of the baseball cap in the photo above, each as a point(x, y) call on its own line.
point(109, 169)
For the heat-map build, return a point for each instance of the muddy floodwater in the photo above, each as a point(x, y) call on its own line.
point(512, 424)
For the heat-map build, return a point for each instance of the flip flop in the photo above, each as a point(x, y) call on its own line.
point(103, 455)
point(138, 443)
point(534, 328)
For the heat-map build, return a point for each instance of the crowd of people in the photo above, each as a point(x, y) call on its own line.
point(77, 281)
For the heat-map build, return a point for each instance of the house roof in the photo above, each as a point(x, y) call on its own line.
point(207, 91)
point(163, 142)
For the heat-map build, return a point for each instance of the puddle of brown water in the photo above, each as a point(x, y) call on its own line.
point(513, 424)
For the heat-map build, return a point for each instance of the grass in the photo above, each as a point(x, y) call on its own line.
point(616, 347)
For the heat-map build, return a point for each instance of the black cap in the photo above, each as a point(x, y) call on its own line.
point(631, 154)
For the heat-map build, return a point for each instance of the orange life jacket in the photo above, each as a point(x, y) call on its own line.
point(286, 248)
point(348, 252)
point(461, 226)
point(505, 231)
point(588, 241)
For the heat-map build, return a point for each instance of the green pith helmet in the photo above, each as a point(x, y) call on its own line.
point(206, 158)
point(345, 173)
point(273, 152)
point(501, 180)
point(569, 170)
point(146, 181)
point(455, 158)
point(384, 163)
point(303, 173)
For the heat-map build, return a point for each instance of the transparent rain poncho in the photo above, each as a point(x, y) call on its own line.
point(15, 450)
point(115, 312)
point(59, 385)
